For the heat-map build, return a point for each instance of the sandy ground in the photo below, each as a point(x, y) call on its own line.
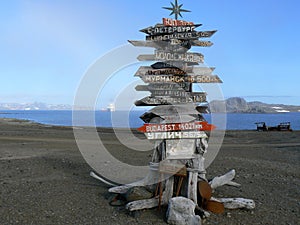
point(45, 180)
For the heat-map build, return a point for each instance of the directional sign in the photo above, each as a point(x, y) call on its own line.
point(160, 44)
point(176, 135)
point(197, 125)
point(189, 35)
point(173, 56)
point(163, 86)
point(153, 101)
point(188, 109)
point(161, 29)
point(201, 43)
point(181, 79)
point(171, 22)
point(149, 117)
point(185, 57)
point(179, 93)
point(147, 70)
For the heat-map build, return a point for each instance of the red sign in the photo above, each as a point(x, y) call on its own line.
point(171, 22)
point(200, 126)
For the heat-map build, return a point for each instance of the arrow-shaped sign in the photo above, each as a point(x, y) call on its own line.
point(161, 29)
point(197, 125)
point(173, 56)
point(157, 86)
point(188, 36)
point(176, 135)
point(166, 100)
point(181, 79)
point(148, 70)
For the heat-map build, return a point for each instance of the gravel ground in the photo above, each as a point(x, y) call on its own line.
point(45, 180)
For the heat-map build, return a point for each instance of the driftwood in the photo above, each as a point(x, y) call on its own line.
point(224, 180)
point(236, 203)
point(153, 202)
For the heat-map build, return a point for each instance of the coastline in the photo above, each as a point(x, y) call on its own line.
point(45, 180)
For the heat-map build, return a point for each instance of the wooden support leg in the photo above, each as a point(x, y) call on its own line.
point(192, 186)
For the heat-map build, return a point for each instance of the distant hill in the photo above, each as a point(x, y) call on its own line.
point(34, 106)
point(240, 105)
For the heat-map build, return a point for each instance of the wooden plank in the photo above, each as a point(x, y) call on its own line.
point(186, 36)
point(178, 93)
point(175, 56)
point(164, 86)
point(176, 135)
point(201, 43)
point(161, 29)
point(181, 79)
point(153, 101)
point(197, 125)
point(172, 22)
point(148, 70)
point(177, 109)
point(172, 56)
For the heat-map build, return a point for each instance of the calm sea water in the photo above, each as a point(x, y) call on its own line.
point(235, 121)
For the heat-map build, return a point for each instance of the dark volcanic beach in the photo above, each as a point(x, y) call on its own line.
point(45, 180)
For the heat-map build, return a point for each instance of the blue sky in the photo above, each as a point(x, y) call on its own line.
point(47, 46)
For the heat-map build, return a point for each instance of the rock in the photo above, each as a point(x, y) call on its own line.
point(137, 193)
point(181, 211)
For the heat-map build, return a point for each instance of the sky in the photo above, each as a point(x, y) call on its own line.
point(47, 46)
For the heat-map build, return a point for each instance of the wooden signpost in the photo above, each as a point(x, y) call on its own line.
point(175, 123)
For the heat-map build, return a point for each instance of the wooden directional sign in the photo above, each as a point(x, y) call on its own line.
point(161, 29)
point(164, 86)
point(179, 93)
point(189, 35)
point(185, 57)
point(181, 79)
point(188, 109)
point(147, 70)
point(160, 44)
point(171, 22)
point(197, 125)
point(167, 100)
point(176, 135)
point(173, 56)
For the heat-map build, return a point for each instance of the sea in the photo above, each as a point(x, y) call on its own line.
point(122, 119)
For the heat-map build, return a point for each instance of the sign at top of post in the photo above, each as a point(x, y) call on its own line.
point(171, 22)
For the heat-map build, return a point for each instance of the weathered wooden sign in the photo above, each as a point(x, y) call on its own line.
point(164, 86)
point(161, 29)
point(150, 117)
point(181, 79)
point(176, 135)
point(178, 93)
point(187, 35)
point(173, 56)
point(197, 125)
point(147, 70)
point(160, 44)
point(185, 57)
point(171, 22)
point(167, 100)
point(187, 109)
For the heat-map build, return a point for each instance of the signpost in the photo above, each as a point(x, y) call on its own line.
point(161, 29)
point(189, 35)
